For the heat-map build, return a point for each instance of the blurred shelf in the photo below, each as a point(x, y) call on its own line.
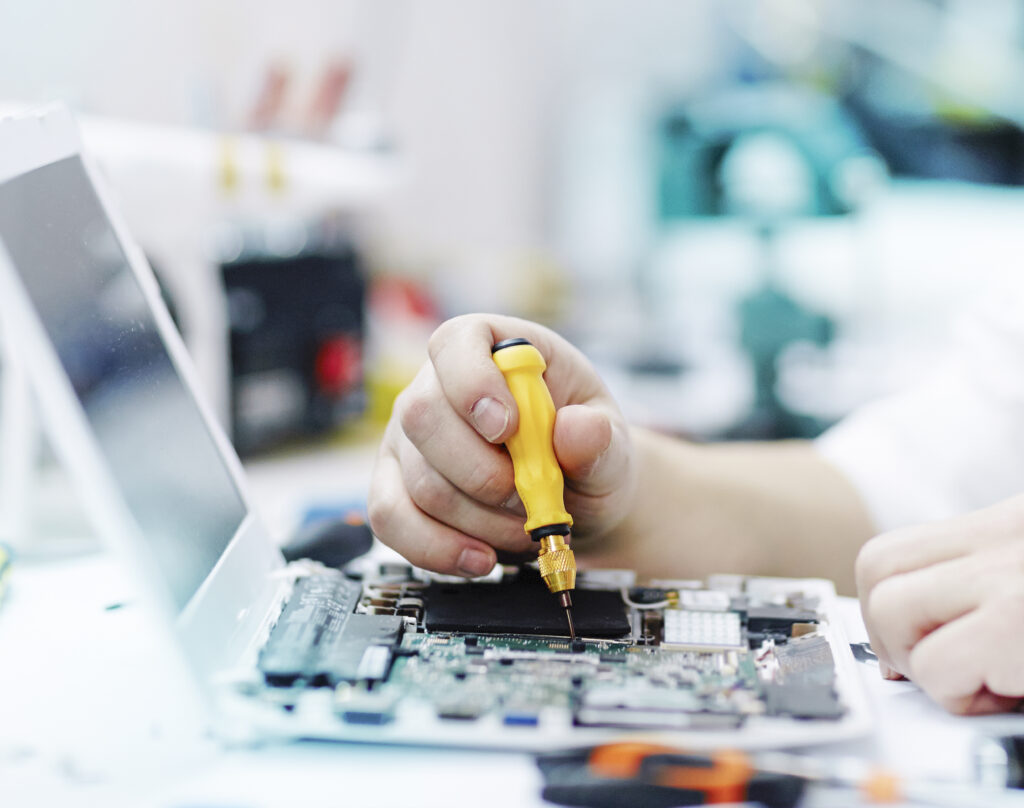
point(210, 174)
point(203, 175)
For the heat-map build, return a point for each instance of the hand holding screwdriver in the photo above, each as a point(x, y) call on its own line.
point(443, 490)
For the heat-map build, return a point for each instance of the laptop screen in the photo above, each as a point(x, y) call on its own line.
point(150, 431)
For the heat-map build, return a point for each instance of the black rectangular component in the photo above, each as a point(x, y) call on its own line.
point(777, 618)
point(347, 659)
point(318, 640)
point(370, 717)
point(522, 606)
point(313, 619)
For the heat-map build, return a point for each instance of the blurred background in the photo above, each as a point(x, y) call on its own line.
point(753, 216)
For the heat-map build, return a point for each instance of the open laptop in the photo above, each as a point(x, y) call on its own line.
point(380, 652)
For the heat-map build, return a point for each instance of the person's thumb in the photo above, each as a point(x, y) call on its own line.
point(588, 449)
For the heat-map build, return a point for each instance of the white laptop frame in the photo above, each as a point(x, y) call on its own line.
point(220, 622)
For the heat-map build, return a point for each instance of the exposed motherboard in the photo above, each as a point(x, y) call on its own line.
point(670, 655)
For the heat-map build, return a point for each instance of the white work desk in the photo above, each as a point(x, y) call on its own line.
point(88, 716)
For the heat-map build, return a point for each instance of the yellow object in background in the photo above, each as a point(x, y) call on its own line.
point(277, 179)
point(228, 173)
point(384, 381)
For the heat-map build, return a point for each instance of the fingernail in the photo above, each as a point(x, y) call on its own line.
point(513, 503)
point(474, 563)
point(490, 417)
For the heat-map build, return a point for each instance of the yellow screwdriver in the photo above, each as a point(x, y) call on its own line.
point(538, 476)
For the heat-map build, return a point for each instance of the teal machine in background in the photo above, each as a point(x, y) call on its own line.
point(769, 155)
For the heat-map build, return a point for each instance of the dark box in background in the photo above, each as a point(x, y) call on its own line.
point(296, 341)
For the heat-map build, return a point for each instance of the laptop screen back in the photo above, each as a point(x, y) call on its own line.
point(152, 435)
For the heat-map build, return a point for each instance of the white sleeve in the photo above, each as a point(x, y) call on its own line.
point(954, 443)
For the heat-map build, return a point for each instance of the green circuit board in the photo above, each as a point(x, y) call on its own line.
point(519, 677)
point(692, 657)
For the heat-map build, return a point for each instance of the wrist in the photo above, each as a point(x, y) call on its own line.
point(632, 540)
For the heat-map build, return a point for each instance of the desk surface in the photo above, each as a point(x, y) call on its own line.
point(82, 723)
point(88, 715)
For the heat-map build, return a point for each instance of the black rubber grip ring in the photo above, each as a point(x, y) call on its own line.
point(539, 533)
point(508, 343)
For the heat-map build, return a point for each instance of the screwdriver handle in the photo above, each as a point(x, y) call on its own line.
point(538, 476)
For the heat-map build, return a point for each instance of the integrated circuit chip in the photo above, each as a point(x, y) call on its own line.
point(521, 606)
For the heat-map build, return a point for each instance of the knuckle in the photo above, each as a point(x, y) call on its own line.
point(924, 672)
point(415, 414)
point(1005, 680)
point(1007, 606)
point(867, 566)
point(1002, 668)
point(881, 557)
point(438, 555)
point(888, 597)
point(429, 494)
point(448, 330)
point(490, 483)
point(438, 339)
point(379, 513)
point(882, 611)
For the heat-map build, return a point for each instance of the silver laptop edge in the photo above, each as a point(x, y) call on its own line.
point(225, 612)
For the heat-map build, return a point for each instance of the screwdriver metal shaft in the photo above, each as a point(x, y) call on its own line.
point(566, 600)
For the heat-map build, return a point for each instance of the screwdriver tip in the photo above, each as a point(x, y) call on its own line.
point(566, 600)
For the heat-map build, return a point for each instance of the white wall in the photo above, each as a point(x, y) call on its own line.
point(473, 92)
